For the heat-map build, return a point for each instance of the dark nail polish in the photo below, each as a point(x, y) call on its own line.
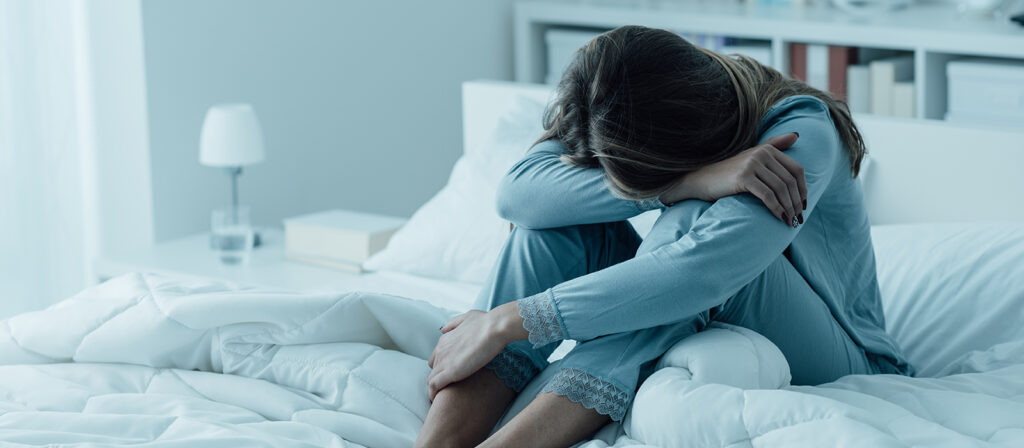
point(800, 217)
point(797, 134)
point(805, 204)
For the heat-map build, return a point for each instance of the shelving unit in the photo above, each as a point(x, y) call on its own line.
point(935, 34)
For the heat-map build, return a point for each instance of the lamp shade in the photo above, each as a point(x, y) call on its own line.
point(231, 136)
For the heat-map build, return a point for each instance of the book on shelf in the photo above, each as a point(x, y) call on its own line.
point(823, 67)
point(839, 60)
point(817, 66)
point(798, 61)
point(338, 238)
point(858, 88)
point(902, 99)
point(885, 73)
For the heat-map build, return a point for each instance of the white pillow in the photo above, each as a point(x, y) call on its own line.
point(457, 234)
point(949, 289)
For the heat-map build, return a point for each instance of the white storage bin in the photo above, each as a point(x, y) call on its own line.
point(562, 45)
point(988, 91)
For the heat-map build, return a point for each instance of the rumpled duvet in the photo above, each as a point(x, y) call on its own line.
point(150, 361)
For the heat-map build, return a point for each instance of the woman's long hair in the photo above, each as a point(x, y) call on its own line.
point(647, 107)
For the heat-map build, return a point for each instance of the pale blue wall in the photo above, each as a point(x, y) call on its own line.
point(359, 99)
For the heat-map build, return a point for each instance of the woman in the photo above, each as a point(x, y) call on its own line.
point(645, 120)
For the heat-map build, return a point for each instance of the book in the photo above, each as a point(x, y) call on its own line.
point(839, 60)
point(798, 61)
point(858, 88)
point(338, 236)
point(817, 66)
point(884, 73)
point(903, 99)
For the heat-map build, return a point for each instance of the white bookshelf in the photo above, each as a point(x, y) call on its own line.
point(934, 34)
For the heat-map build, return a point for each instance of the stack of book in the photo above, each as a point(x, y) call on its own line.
point(338, 239)
point(869, 83)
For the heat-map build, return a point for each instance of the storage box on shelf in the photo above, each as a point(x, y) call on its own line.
point(927, 36)
point(986, 91)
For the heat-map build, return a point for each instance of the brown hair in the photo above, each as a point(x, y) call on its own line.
point(647, 106)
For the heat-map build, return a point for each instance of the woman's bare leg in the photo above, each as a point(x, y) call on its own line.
point(464, 413)
point(548, 421)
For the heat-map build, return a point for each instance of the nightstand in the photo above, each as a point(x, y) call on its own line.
point(192, 257)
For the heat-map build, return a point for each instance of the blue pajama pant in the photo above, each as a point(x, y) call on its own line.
point(604, 373)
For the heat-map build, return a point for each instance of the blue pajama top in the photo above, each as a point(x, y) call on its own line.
point(732, 242)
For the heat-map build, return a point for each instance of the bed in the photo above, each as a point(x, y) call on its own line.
point(151, 360)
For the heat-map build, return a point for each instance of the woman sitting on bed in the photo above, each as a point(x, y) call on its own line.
point(774, 241)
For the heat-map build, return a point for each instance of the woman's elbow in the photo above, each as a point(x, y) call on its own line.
point(512, 206)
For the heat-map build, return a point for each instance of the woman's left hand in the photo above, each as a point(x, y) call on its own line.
point(469, 342)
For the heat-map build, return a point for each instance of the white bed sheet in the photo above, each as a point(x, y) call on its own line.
point(452, 295)
point(146, 360)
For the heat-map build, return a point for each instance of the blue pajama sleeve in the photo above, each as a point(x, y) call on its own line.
point(542, 192)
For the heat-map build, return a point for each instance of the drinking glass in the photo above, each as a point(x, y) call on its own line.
point(232, 235)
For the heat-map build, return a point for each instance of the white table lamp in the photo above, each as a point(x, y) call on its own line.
point(231, 138)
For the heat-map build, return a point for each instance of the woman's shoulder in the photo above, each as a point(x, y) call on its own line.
point(801, 105)
point(797, 111)
point(551, 145)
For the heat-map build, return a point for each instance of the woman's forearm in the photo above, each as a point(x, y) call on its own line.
point(542, 192)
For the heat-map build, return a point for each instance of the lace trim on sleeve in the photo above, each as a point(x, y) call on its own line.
point(515, 369)
point(649, 204)
point(540, 319)
point(591, 392)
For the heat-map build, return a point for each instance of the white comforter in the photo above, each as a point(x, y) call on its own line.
point(147, 361)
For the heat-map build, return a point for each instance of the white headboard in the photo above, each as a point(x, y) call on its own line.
point(920, 171)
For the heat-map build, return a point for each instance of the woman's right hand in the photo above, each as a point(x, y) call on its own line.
point(763, 171)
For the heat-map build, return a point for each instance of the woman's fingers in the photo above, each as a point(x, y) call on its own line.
point(454, 322)
point(430, 386)
point(792, 193)
point(435, 382)
point(761, 191)
point(798, 172)
point(783, 141)
point(780, 192)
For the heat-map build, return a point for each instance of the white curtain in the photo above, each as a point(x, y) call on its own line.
point(46, 240)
